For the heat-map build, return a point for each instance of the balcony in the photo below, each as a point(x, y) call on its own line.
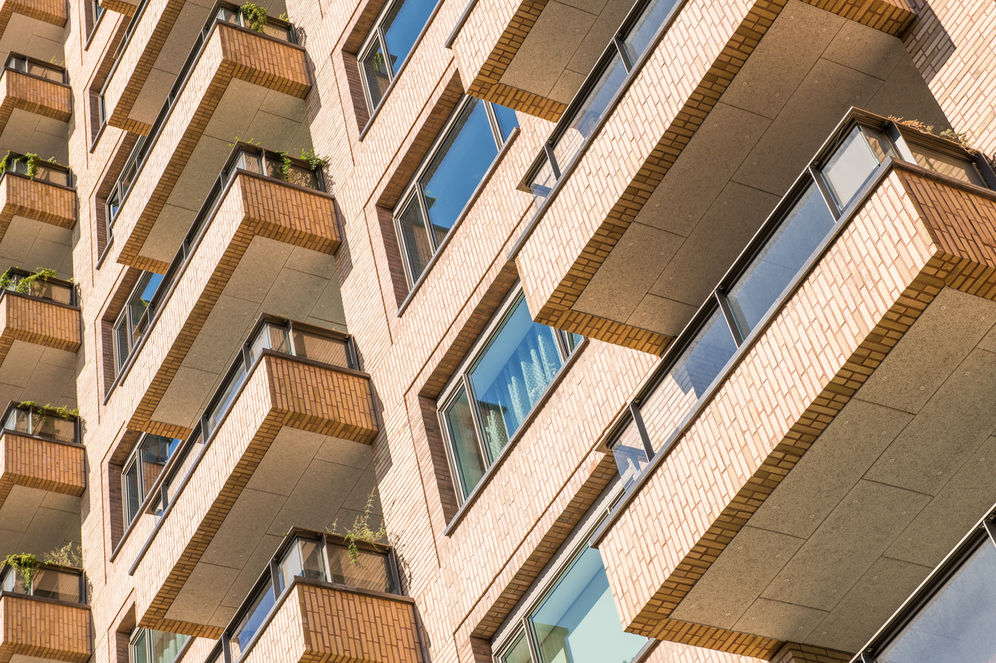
point(235, 83)
point(315, 602)
point(39, 337)
point(37, 213)
point(36, 27)
point(283, 442)
point(817, 439)
point(45, 619)
point(35, 108)
point(42, 475)
point(739, 116)
point(243, 255)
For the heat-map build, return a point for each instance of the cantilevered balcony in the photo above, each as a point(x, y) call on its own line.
point(35, 107)
point(236, 83)
point(45, 617)
point(283, 442)
point(733, 121)
point(37, 213)
point(42, 475)
point(317, 601)
point(262, 242)
point(39, 337)
point(33, 27)
point(821, 435)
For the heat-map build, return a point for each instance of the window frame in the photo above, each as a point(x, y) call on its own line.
point(139, 632)
point(414, 190)
point(459, 383)
point(95, 12)
point(126, 317)
point(135, 460)
point(376, 38)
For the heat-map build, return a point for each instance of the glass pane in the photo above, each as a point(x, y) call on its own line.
point(153, 455)
point(519, 651)
point(246, 628)
point(849, 167)
point(370, 570)
point(177, 476)
point(542, 182)
point(650, 21)
point(132, 492)
point(466, 453)
point(140, 649)
point(402, 26)
point(268, 337)
point(512, 374)
point(956, 625)
point(304, 559)
point(327, 350)
point(946, 164)
point(8, 581)
point(165, 646)
point(458, 167)
point(577, 620)
point(596, 102)
point(225, 398)
point(414, 238)
point(375, 74)
point(506, 121)
point(122, 342)
point(53, 584)
point(686, 382)
point(19, 421)
point(630, 454)
point(785, 252)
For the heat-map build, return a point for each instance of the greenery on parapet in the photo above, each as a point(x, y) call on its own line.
point(958, 138)
point(254, 15)
point(361, 531)
point(23, 286)
point(308, 156)
point(25, 564)
point(60, 411)
point(31, 159)
point(70, 554)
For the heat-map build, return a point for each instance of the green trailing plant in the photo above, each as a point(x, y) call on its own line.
point(956, 137)
point(314, 161)
point(254, 15)
point(248, 141)
point(70, 554)
point(308, 156)
point(60, 411)
point(23, 286)
point(25, 564)
point(361, 531)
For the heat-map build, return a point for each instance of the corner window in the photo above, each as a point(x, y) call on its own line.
point(576, 620)
point(94, 12)
point(133, 321)
point(142, 470)
point(389, 45)
point(448, 177)
point(149, 646)
point(490, 399)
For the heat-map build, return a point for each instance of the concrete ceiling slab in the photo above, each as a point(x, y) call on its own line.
point(30, 244)
point(29, 132)
point(29, 524)
point(37, 39)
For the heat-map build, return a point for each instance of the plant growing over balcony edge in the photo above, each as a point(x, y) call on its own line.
point(254, 15)
point(23, 286)
point(24, 563)
point(60, 411)
point(360, 531)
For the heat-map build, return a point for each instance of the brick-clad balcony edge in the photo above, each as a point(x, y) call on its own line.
point(280, 392)
point(915, 235)
point(691, 85)
point(37, 200)
point(319, 622)
point(48, 11)
point(43, 629)
point(31, 462)
point(34, 320)
point(34, 95)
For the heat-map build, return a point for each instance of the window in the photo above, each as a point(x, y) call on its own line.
point(142, 469)
point(389, 44)
point(489, 400)
point(576, 620)
point(448, 177)
point(149, 646)
point(94, 12)
point(132, 322)
point(126, 179)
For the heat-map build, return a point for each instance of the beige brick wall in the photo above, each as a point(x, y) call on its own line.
point(34, 199)
point(43, 629)
point(33, 463)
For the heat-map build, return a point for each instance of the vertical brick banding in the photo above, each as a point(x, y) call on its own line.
point(42, 629)
point(37, 200)
point(33, 463)
point(33, 95)
point(37, 321)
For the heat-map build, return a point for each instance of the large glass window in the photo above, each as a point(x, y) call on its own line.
point(149, 646)
point(489, 400)
point(576, 621)
point(143, 469)
point(133, 322)
point(389, 44)
point(448, 177)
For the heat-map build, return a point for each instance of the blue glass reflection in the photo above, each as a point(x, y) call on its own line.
point(403, 26)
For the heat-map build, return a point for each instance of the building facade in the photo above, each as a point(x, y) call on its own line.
point(506, 331)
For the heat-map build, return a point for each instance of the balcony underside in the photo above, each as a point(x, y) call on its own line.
point(36, 221)
point(854, 461)
point(253, 259)
point(36, 631)
point(33, 27)
point(673, 214)
point(282, 458)
point(244, 86)
point(33, 116)
point(38, 345)
point(533, 55)
point(316, 623)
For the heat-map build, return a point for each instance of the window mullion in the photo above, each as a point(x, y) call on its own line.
point(493, 121)
point(382, 41)
point(825, 192)
point(423, 209)
point(478, 422)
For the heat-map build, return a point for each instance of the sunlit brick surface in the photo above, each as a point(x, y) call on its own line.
point(33, 95)
point(37, 321)
point(33, 463)
point(49, 11)
point(34, 199)
point(43, 630)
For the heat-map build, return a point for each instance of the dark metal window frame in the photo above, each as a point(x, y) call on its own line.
point(413, 191)
point(148, 644)
point(460, 382)
point(127, 321)
point(14, 405)
point(900, 136)
point(96, 12)
point(10, 64)
point(43, 566)
point(18, 157)
point(22, 273)
point(135, 460)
